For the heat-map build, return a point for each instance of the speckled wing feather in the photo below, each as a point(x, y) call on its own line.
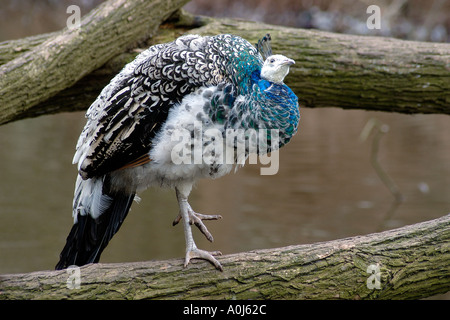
point(129, 111)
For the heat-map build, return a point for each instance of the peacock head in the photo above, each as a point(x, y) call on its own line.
point(275, 68)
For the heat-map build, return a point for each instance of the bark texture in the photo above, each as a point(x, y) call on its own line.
point(356, 72)
point(331, 70)
point(406, 263)
point(50, 64)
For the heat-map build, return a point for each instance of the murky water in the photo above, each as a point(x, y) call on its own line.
point(326, 188)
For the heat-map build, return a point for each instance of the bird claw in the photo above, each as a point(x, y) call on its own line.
point(196, 253)
point(196, 219)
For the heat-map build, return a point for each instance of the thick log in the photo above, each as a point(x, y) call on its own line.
point(407, 263)
point(356, 72)
point(67, 56)
point(331, 70)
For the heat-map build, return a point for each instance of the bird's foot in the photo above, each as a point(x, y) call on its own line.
point(195, 253)
point(196, 219)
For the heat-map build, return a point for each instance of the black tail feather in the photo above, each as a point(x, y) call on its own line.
point(89, 237)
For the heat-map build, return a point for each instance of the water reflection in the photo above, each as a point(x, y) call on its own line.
point(325, 189)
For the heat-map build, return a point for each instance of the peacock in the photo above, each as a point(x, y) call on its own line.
point(164, 121)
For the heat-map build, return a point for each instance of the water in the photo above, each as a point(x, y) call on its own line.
point(326, 188)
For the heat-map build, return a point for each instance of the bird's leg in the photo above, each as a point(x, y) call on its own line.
point(192, 252)
point(196, 219)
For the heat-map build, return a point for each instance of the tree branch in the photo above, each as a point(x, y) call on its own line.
point(67, 56)
point(356, 72)
point(412, 262)
point(331, 70)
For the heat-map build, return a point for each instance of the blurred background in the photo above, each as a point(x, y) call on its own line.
point(405, 19)
point(326, 187)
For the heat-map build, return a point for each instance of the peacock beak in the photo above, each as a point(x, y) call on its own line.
point(288, 62)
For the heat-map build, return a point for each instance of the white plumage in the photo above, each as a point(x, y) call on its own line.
point(163, 121)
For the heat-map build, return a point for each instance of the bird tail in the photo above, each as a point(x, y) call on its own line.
point(98, 215)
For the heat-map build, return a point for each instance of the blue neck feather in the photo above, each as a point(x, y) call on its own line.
point(265, 105)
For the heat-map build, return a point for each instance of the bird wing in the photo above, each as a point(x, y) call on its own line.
point(129, 111)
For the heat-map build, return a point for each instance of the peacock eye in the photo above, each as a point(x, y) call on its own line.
point(272, 60)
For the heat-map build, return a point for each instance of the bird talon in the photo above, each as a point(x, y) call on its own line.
point(196, 219)
point(177, 219)
point(207, 216)
point(204, 255)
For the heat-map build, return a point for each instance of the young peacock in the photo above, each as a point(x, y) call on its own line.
point(164, 121)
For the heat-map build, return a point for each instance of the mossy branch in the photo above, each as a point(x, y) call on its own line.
point(406, 263)
point(55, 72)
point(45, 65)
point(356, 72)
